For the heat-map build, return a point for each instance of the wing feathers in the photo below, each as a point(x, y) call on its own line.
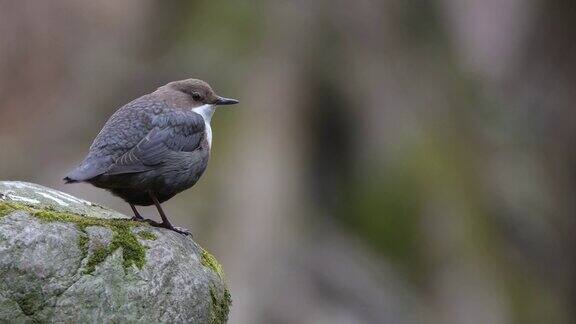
point(178, 132)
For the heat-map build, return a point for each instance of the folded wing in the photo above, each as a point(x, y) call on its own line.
point(175, 132)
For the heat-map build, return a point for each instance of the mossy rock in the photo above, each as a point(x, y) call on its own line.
point(63, 259)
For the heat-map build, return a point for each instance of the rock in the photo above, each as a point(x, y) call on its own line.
point(63, 259)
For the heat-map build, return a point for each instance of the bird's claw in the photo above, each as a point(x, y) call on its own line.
point(169, 226)
point(182, 231)
point(152, 223)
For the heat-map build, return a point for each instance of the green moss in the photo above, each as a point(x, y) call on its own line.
point(98, 256)
point(83, 244)
point(5, 209)
point(209, 261)
point(220, 307)
point(134, 253)
point(147, 235)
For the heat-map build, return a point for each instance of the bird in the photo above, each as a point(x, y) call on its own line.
point(154, 147)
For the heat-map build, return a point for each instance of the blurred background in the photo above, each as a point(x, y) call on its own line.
point(390, 161)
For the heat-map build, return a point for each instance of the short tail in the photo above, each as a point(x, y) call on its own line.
point(86, 171)
point(74, 176)
point(68, 179)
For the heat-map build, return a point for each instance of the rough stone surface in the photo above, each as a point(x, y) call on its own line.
point(63, 259)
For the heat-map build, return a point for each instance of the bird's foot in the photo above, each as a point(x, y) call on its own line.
point(169, 226)
point(151, 222)
point(181, 230)
point(137, 218)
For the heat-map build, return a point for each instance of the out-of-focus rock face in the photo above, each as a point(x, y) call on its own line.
point(63, 259)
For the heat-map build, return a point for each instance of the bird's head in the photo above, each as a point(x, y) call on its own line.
point(196, 93)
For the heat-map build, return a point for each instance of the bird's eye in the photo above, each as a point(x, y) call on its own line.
point(196, 96)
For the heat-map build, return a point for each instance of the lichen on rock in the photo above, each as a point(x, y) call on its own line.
point(221, 302)
point(63, 259)
point(209, 261)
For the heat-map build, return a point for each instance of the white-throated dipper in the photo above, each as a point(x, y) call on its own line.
point(154, 147)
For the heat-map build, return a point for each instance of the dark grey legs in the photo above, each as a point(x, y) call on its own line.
point(165, 222)
point(137, 216)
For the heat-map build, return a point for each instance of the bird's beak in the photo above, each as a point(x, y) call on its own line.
point(225, 101)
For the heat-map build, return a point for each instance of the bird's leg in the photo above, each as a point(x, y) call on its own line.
point(165, 222)
point(137, 216)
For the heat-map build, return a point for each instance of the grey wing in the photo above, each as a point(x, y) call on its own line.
point(179, 131)
point(125, 129)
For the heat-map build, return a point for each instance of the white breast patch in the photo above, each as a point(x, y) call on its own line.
point(206, 111)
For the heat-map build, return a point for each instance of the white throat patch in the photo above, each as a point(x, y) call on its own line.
point(206, 111)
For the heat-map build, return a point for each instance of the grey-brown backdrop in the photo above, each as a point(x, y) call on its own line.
point(390, 162)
